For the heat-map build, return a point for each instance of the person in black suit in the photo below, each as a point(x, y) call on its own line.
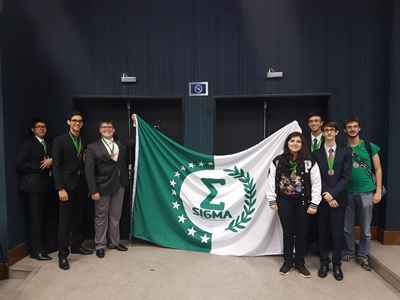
point(315, 140)
point(34, 168)
point(106, 169)
point(335, 163)
point(68, 155)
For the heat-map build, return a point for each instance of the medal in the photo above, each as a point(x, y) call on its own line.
point(331, 172)
point(356, 165)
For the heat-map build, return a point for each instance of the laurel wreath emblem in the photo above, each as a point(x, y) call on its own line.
point(250, 199)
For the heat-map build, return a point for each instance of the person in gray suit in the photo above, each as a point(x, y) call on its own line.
point(106, 169)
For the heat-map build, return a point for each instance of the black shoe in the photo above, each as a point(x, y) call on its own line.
point(364, 263)
point(337, 273)
point(63, 263)
point(81, 250)
point(323, 270)
point(41, 256)
point(119, 247)
point(286, 267)
point(100, 253)
point(303, 271)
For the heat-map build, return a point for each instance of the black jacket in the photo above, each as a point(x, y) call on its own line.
point(336, 184)
point(310, 178)
point(67, 166)
point(103, 174)
point(32, 178)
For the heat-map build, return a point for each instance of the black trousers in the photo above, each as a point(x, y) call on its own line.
point(331, 233)
point(71, 219)
point(294, 220)
point(37, 220)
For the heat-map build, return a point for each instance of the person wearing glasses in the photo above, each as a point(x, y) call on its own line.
point(106, 169)
point(334, 161)
point(68, 168)
point(34, 168)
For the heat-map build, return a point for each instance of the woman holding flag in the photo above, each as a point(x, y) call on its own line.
point(294, 190)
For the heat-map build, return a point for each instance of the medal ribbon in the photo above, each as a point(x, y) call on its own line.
point(292, 167)
point(77, 144)
point(331, 160)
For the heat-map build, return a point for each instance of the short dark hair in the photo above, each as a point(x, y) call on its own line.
point(75, 113)
point(352, 120)
point(330, 124)
point(314, 114)
point(106, 121)
point(37, 120)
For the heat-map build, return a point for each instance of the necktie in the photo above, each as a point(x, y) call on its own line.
point(44, 146)
point(330, 156)
point(315, 145)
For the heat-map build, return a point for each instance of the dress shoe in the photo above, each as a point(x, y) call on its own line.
point(41, 256)
point(63, 263)
point(337, 273)
point(119, 247)
point(323, 270)
point(303, 271)
point(81, 250)
point(100, 253)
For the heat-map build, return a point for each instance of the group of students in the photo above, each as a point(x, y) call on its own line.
point(323, 188)
point(76, 171)
point(321, 191)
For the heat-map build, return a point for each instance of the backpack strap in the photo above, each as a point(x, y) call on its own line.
point(369, 150)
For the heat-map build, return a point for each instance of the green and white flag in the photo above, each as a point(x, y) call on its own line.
point(192, 201)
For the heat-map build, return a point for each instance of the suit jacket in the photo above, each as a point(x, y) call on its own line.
point(32, 178)
point(103, 174)
point(336, 184)
point(67, 166)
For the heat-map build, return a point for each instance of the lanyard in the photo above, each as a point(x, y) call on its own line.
point(292, 167)
point(109, 147)
point(331, 162)
point(77, 144)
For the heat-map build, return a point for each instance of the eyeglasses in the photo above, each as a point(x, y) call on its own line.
point(41, 126)
point(77, 121)
point(329, 130)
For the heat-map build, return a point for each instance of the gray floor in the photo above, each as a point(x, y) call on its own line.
point(148, 272)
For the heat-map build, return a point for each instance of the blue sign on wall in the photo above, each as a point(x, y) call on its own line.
point(198, 88)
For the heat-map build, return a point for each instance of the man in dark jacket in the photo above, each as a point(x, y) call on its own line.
point(335, 163)
point(69, 179)
point(34, 168)
point(106, 169)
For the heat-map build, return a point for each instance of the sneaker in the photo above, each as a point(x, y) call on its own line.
point(364, 263)
point(286, 267)
point(303, 271)
point(347, 257)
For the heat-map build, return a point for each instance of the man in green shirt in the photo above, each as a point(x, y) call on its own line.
point(364, 190)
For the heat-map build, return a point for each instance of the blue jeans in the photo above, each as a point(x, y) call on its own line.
point(359, 204)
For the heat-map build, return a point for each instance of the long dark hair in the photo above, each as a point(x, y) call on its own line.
point(304, 153)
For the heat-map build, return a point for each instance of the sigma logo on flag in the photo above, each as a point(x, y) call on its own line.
point(214, 206)
point(198, 88)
